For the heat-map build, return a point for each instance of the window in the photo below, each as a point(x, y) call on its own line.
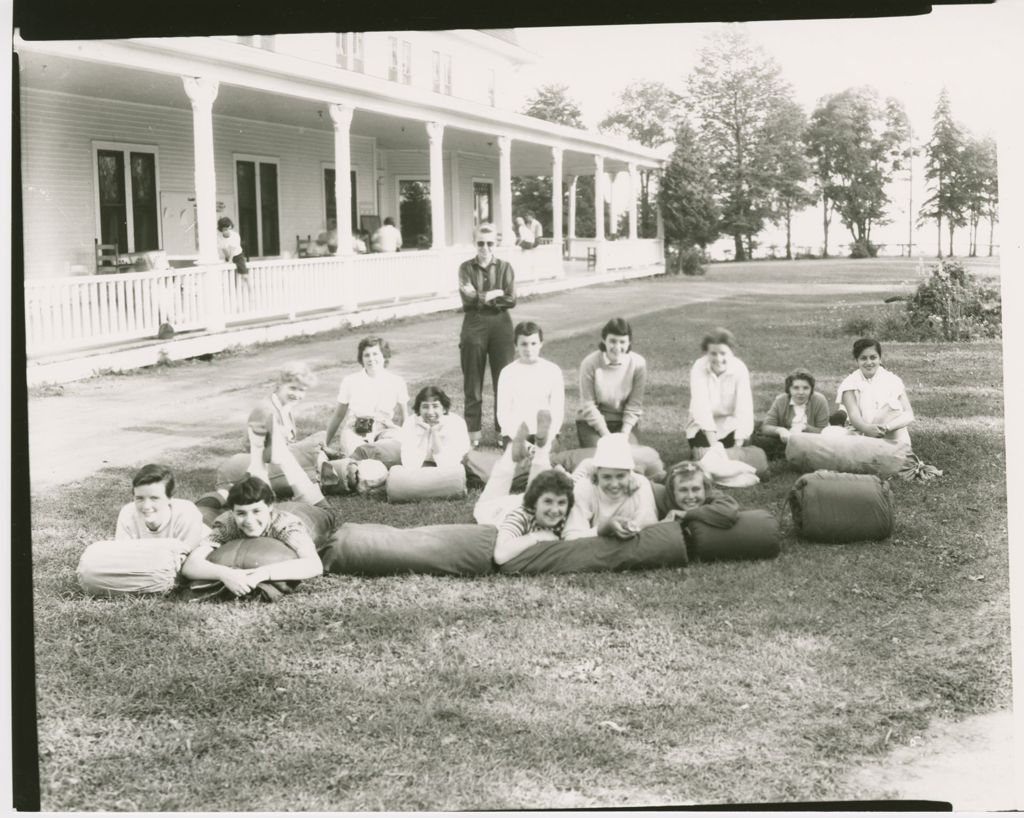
point(330, 205)
point(437, 72)
point(256, 194)
point(264, 41)
point(414, 213)
point(492, 87)
point(348, 51)
point(442, 73)
point(406, 62)
point(126, 190)
point(483, 196)
point(393, 65)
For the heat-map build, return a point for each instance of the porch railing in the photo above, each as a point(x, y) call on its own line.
point(79, 312)
point(623, 253)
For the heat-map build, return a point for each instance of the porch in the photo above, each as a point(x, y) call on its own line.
point(76, 326)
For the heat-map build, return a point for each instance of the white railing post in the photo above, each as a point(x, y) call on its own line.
point(435, 135)
point(508, 238)
point(599, 212)
point(341, 117)
point(556, 205)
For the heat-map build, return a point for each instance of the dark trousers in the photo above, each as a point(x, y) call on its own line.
point(486, 338)
point(701, 440)
point(588, 434)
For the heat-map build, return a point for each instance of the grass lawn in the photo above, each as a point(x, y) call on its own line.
point(745, 682)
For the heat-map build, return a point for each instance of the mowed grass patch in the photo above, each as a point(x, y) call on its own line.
point(723, 682)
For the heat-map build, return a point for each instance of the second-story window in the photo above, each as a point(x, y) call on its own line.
point(443, 73)
point(358, 54)
point(393, 65)
point(348, 50)
point(437, 72)
point(406, 62)
point(492, 87)
point(341, 50)
point(264, 41)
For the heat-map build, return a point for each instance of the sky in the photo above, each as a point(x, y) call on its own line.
point(969, 50)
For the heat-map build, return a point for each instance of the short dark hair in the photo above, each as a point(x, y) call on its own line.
point(866, 343)
point(431, 393)
point(155, 473)
point(799, 375)
point(390, 221)
point(248, 491)
point(554, 481)
point(223, 222)
point(373, 341)
point(719, 335)
point(524, 328)
point(616, 326)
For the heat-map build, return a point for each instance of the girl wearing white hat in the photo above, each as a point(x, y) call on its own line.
point(610, 499)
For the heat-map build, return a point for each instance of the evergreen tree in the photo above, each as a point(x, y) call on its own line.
point(944, 170)
point(788, 165)
point(686, 197)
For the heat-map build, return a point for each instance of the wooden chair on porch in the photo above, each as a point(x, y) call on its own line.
point(303, 246)
point(106, 257)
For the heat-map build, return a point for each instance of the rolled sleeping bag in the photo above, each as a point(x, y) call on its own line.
point(832, 507)
point(755, 536)
point(236, 468)
point(658, 546)
point(373, 550)
point(646, 461)
point(388, 451)
point(751, 455)
point(409, 485)
point(660, 499)
point(211, 506)
point(246, 553)
point(117, 567)
point(849, 454)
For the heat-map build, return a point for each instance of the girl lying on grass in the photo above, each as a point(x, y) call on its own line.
point(609, 498)
point(691, 496)
point(432, 436)
point(799, 409)
point(525, 520)
point(874, 398)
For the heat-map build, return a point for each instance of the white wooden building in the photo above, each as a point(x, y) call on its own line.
point(146, 142)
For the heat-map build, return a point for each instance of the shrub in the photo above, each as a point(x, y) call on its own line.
point(954, 306)
point(862, 248)
point(691, 263)
point(859, 325)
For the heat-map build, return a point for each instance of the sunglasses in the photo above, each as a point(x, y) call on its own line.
point(485, 244)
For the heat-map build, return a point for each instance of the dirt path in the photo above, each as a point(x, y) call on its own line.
point(969, 763)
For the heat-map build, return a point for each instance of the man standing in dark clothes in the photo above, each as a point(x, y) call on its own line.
point(488, 289)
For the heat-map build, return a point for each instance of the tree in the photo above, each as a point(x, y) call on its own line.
point(980, 183)
point(787, 164)
point(685, 195)
point(647, 112)
point(734, 89)
point(944, 169)
point(552, 103)
point(856, 143)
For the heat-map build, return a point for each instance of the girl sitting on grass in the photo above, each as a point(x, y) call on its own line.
point(721, 403)
point(609, 498)
point(432, 436)
point(874, 398)
point(369, 399)
point(691, 496)
point(798, 409)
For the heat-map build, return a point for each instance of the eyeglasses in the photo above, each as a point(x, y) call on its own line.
point(485, 244)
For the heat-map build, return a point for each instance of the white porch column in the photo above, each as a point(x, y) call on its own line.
point(633, 233)
point(508, 238)
point(556, 202)
point(572, 207)
point(435, 133)
point(341, 117)
point(201, 93)
point(599, 198)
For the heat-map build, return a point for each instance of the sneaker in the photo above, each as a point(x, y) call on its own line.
point(543, 427)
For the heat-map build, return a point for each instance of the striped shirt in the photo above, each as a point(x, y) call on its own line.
point(521, 521)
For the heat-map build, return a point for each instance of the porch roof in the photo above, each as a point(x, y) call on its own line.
point(272, 87)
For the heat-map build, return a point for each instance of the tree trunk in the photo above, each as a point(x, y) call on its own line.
point(938, 222)
point(824, 221)
point(737, 238)
point(991, 232)
point(789, 224)
point(750, 247)
point(952, 227)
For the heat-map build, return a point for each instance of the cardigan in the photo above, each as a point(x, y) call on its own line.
point(780, 415)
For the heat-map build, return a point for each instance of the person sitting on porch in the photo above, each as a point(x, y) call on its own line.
point(432, 435)
point(524, 235)
point(360, 242)
point(487, 286)
point(329, 237)
point(534, 225)
point(369, 399)
point(612, 381)
point(387, 238)
point(229, 245)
